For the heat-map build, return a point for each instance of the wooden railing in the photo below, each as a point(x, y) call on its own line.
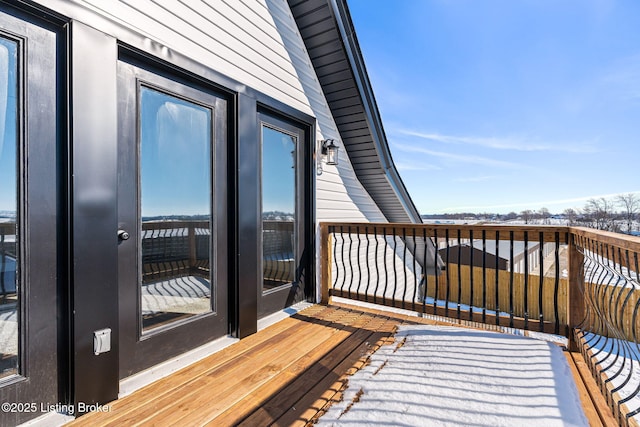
point(575, 282)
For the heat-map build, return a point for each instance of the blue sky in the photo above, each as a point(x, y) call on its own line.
point(506, 105)
point(8, 141)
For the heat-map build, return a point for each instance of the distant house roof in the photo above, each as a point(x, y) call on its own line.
point(330, 39)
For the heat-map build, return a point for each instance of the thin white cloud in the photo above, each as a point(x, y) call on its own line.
point(515, 144)
point(403, 166)
point(623, 78)
point(477, 178)
point(478, 160)
point(536, 205)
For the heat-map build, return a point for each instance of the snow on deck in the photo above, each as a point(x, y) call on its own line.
point(446, 376)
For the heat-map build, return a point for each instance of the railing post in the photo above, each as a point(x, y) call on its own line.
point(325, 264)
point(575, 292)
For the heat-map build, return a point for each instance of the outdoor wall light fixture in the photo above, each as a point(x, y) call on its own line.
point(329, 151)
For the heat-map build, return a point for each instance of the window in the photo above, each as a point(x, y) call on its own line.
point(175, 204)
point(279, 213)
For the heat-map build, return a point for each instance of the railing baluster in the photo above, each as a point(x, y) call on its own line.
point(471, 273)
point(511, 268)
point(368, 278)
point(484, 276)
point(358, 260)
point(436, 293)
point(344, 266)
point(386, 272)
point(497, 290)
point(526, 280)
point(459, 276)
point(541, 282)
point(415, 273)
point(447, 262)
point(375, 259)
point(395, 272)
point(557, 284)
point(424, 272)
point(404, 265)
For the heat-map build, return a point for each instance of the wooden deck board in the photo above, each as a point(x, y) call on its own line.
point(283, 375)
point(593, 402)
point(293, 382)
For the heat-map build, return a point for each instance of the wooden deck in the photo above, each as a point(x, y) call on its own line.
point(284, 375)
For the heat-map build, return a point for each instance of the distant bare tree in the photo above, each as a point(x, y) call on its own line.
point(545, 215)
point(510, 216)
point(599, 212)
point(571, 215)
point(527, 216)
point(630, 204)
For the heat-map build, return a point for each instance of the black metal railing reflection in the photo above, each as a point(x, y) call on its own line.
point(172, 249)
point(8, 249)
point(278, 260)
point(176, 282)
point(8, 299)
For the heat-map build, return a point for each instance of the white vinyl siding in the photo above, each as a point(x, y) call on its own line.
point(257, 43)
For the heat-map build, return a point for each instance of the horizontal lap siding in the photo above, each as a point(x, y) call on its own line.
point(257, 43)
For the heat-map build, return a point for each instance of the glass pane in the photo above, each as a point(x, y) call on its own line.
point(175, 192)
point(8, 208)
point(278, 207)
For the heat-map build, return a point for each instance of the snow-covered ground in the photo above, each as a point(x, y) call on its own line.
point(620, 361)
point(447, 376)
point(188, 294)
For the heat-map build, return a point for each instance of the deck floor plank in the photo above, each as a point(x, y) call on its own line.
point(294, 379)
point(126, 410)
point(329, 390)
point(283, 375)
point(266, 367)
point(290, 398)
point(228, 381)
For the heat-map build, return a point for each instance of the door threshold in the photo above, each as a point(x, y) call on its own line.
point(168, 367)
point(282, 314)
point(50, 419)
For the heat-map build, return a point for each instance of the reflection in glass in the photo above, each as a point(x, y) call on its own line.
point(278, 207)
point(175, 192)
point(8, 208)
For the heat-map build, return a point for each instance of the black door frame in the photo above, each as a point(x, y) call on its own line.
point(41, 184)
point(140, 350)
